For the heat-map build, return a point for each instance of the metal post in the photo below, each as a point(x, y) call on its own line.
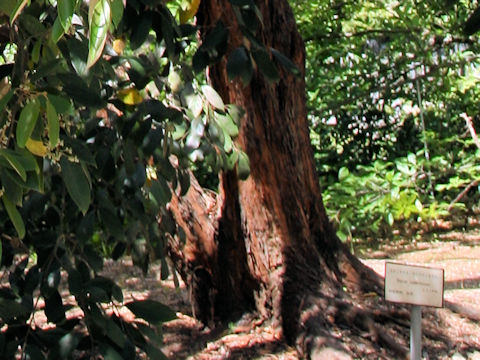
point(416, 333)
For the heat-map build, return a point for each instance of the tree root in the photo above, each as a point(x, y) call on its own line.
point(345, 330)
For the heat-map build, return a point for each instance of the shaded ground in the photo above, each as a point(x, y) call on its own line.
point(459, 322)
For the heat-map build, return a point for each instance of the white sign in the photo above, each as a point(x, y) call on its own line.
point(415, 285)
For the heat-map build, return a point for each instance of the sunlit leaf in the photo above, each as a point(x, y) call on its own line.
point(343, 173)
point(19, 6)
point(118, 45)
point(99, 20)
point(243, 169)
point(36, 147)
point(189, 11)
point(26, 122)
point(130, 96)
point(212, 97)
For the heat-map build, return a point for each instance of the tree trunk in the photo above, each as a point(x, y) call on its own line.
point(265, 243)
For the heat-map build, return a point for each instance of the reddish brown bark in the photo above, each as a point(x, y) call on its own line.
point(265, 243)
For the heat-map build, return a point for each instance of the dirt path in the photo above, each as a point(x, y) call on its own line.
point(185, 338)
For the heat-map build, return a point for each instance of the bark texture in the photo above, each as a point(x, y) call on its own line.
point(266, 244)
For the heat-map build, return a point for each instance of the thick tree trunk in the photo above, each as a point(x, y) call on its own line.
point(266, 244)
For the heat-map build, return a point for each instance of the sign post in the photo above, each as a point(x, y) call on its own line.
point(418, 286)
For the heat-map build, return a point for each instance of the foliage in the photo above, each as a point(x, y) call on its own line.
point(387, 80)
point(103, 110)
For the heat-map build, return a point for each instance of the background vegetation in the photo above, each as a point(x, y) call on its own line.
point(391, 88)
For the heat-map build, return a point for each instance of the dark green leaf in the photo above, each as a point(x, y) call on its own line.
point(239, 64)
point(151, 311)
point(61, 104)
point(117, 12)
point(286, 62)
point(66, 9)
point(112, 223)
point(10, 309)
point(57, 30)
point(53, 124)
point(75, 282)
point(472, 25)
point(115, 334)
point(265, 64)
point(15, 217)
point(141, 29)
point(54, 309)
point(14, 161)
point(4, 100)
point(33, 352)
point(184, 179)
point(243, 166)
point(12, 189)
point(160, 191)
point(77, 183)
point(27, 121)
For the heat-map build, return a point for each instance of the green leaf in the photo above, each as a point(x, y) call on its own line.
point(65, 9)
point(115, 334)
point(285, 62)
point(13, 190)
point(66, 345)
point(117, 12)
point(343, 173)
point(212, 97)
point(161, 191)
point(19, 6)
point(265, 64)
point(5, 99)
point(10, 309)
point(53, 124)
point(99, 21)
point(15, 163)
point(227, 124)
point(61, 104)
point(112, 223)
point(243, 169)
point(239, 64)
point(15, 217)
point(77, 183)
point(57, 30)
point(109, 353)
point(27, 121)
point(54, 309)
point(151, 311)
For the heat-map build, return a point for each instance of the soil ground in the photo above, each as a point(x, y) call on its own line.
point(458, 322)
